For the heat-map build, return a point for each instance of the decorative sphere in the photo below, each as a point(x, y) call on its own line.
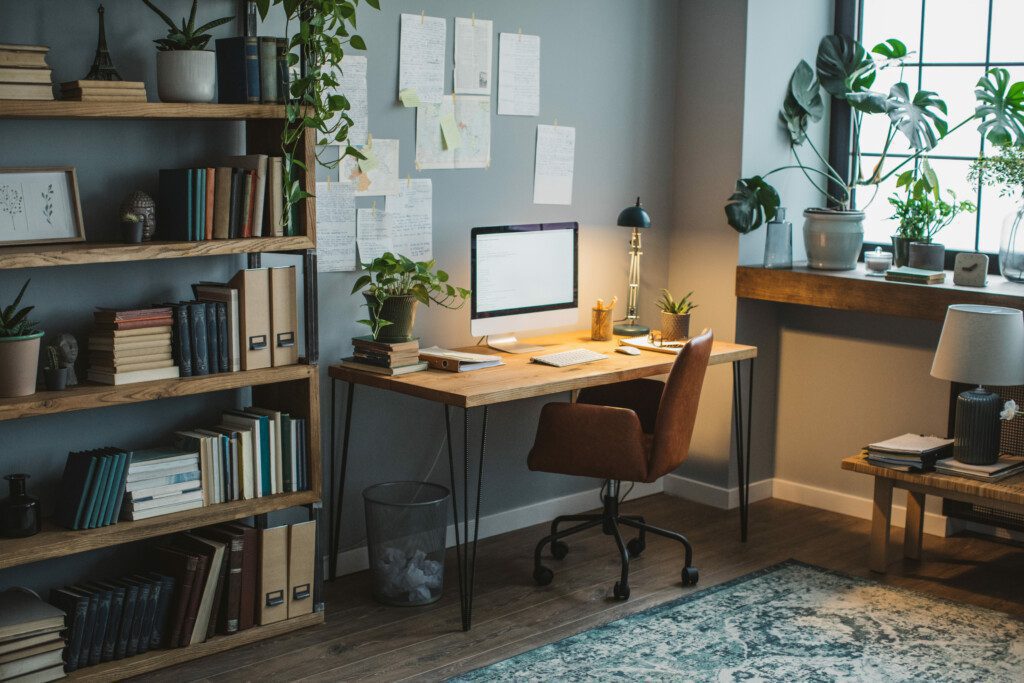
point(141, 204)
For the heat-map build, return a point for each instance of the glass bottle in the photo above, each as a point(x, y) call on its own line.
point(778, 243)
point(1011, 244)
point(19, 512)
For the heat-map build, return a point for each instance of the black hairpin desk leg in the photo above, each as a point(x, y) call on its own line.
point(741, 425)
point(338, 479)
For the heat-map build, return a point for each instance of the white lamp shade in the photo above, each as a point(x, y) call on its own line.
point(981, 345)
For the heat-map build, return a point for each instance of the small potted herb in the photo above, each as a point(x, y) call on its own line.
point(393, 285)
point(55, 375)
point(19, 349)
point(133, 225)
point(1006, 172)
point(185, 70)
point(921, 214)
point(675, 316)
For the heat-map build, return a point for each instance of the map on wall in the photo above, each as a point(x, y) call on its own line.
point(455, 133)
point(378, 174)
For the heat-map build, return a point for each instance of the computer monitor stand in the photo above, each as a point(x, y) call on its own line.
point(509, 344)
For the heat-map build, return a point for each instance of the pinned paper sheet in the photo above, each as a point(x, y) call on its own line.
point(474, 44)
point(352, 84)
point(370, 162)
point(382, 178)
point(471, 115)
point(412, 220)
point(421, 57)
point(552, 180)
point(409, 98)
point(335, 227)
point(518, 75)
point(374, 234)
point(450, 130)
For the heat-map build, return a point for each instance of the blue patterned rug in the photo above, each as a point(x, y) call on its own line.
point(790, 622)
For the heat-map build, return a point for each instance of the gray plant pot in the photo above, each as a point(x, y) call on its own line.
point(900, 251)
point(927, 256)
point(833, 238)
point(133, 232)
point(186, 75)
point(400, 311)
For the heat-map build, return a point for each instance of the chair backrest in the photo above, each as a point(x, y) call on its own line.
point(677, 412)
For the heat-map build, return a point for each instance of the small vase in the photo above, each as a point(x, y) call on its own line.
point(927, 256)
point(1011, 245)
point(900, 251)
point(19, 512)
point(675, 327)
point(55, 379)
point(133, 232)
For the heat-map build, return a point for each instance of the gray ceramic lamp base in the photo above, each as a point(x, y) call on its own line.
point(627, 330)
point(976, 435)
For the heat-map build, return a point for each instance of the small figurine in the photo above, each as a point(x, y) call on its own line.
point(68, 346)
point(141, 204)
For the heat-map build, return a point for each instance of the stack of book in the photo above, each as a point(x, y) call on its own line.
point(30, 638)
point(24, 74)
point(915, 276)
point(161, 481)
point(252, 69)
point(103, 91)
point(910, 452)
point(92, 488)
point(131, 346)
point(399, 358)
point(1006, 466)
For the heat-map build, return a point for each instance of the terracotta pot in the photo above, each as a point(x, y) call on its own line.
point(19, 364)
point(675, 327)
point(833, 238)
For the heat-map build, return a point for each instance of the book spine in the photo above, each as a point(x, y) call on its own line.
point(181, 340)
point(222, 337)
point(137, 619)
point(212, 343)
point(162, 612)
point(99, 637)
point(131, 598)
point(197, 325)
point(282, 70)
point(113, 623)
point(252, 69)
point(268, 69)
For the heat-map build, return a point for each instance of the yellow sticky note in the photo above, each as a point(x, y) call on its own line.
point(450, 129)
point(370, 162)
point(409, 98)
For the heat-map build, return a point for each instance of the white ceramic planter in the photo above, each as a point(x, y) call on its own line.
point(833, 238)
point(186, 75)
point(19, 364)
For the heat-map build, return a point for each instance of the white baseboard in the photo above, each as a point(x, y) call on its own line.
point(356, 559)
point(715, 496)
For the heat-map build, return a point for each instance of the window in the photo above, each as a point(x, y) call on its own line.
point(952, 44)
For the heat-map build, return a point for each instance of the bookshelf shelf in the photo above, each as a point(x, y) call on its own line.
point(57, 109)
point(158, 659)
point(54, 541)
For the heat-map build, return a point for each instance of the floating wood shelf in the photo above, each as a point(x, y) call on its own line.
point(79, 253)
point(54, 541)
point(57, 109)
point(89, 395)
point(158, 659)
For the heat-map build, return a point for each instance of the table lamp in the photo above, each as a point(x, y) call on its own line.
point(636, 218)
point(980, 345)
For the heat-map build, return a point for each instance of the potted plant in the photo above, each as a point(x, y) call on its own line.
point(675, 316)
point(132, 224)
point(846, 70)
point(185, 70)
point(921, 214)
point(55, 375)
point(394, 285)
point(19, 349)
point(1006, 171)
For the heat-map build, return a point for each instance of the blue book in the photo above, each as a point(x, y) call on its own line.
point(116, 474)
point(213, 339)
point(198, 204)
point(173, 207)
point(115, 509)
point(238, 70)
point(287, 454)
point(74, 489)
point(99, 483)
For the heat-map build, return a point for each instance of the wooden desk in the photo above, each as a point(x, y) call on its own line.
point(1007, 494)
point(518, 379)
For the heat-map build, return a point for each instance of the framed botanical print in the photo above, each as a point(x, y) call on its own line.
point(39, 205)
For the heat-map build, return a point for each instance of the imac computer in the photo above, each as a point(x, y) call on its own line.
point(523, 277)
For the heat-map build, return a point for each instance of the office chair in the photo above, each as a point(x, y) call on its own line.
point(632, 431)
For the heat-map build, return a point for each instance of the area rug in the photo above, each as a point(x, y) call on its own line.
point(790, 622)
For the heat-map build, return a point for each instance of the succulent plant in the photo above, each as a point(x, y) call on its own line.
point(187, 36)
point(14, 321)
point(670, 305)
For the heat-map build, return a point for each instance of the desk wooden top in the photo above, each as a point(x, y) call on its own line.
point(1009, 490)
point(519, 378)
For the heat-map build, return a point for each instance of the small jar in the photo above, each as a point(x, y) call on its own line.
point(877, 261)
point(19, 512)
point(601, 324)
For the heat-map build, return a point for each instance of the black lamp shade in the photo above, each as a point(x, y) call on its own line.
point(634, 217)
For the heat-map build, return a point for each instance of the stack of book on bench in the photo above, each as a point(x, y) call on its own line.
point(131, 346)
point(30, 638)
point(910, 452)
point(1006, 466)
point(384, 358)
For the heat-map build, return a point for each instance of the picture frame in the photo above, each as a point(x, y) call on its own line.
point(40, 206)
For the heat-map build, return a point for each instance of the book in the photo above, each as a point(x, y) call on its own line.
point(155, 340)
point(120, 378)
point(245, 219)
point(222, 293)
point(223, 340)
point(162, 615)
point(275, 444)
point(222, 203)
point(112, 368)
point(212, 341)
point(13, 671)
point(45, 638)
point(103, 599)
point(210, 202)
point(197, 334)
point(181, 341)
point(181, 566)
point(25, 91)
point(1006, 466)
point(370, 344)
point(197, 228)
point(238, 70)
point(226, 620)
point(457, 361)
point(76, 480)
point(250, 564)
point(236, 227)
point(52, 642)
point(910, 444)
point(257, 163)
point(275, 215)
point(268, 69)
point(283, 80)
point(173, 215)
point(357, 364)
point(915, 275)
point(214, 552)
point(124, 625)
point(108, 646)
point(22, 75)
point(22, 613)
point(75, 606)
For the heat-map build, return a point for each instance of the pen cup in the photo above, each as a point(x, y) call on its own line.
point(601, 324)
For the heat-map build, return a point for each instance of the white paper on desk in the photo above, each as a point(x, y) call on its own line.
point(374, 234)
point(380, 180)
point(472, 114)
point(335, 227)
point(421, 56)
point(352, 84)
point(411, 216)
point(474, 45)
point(518, 75)
point(552, 180)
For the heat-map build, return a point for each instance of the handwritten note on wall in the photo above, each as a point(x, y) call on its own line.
point(552, 180)
point(474, 43)
point(335, 227)
point(352, 84)
point(518, 75)
point(421, 58)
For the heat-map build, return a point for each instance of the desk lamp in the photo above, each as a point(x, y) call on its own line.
point(633, 217)
point(980, 345)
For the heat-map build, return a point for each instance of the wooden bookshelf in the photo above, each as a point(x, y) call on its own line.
point(58, 109)
point(55, 541)
point(158, 659)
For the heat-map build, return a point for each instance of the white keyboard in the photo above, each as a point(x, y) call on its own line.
point(571, 357)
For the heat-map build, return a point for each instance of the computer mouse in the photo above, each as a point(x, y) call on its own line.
point(629, 350)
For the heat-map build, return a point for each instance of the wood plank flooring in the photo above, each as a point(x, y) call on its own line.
point(364, 640)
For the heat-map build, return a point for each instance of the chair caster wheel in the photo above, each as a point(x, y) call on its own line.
point(542, 575)
point(635, 547)
point(559, 550)
point(690, 576)
point(621, 591)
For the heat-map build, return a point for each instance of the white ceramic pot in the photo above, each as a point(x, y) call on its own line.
point(186, 75)
point(19, 363)
point(833, 238)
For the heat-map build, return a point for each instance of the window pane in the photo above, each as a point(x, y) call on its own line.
point(876, 126)
point(959, 234)
point(955, 85)
point(994, 210)
point(884, 19)
point(878, 227)
point(955, 30)
point(1007, 18)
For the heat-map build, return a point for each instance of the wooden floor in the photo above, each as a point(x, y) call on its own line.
point(364, 640)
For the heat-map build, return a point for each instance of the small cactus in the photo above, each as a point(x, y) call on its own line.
point(52, 357)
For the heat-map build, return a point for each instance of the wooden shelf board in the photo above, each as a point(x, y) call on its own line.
point(158, 659)
point(78, 253)
point(88, 395)
point(54, 541)
point(58, 109)
point(853, 290)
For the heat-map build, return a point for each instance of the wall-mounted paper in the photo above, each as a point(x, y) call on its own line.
point(552, 180)
point(381, 178)
point(352, 84)
point(472, 115)
point(412, 219)
point(374, 234)
point(474, 45)
point(518, 75)
point(335, 227)
point(421, 57)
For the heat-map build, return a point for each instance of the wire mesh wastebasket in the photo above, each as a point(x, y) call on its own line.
point(406, 523)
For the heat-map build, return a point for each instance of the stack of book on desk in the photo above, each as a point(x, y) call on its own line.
point(1006, 466)
point(30, 639)
point(103, 91)
point(910, 452)
point(24, 74)
point(399, 358)
point(131, 346)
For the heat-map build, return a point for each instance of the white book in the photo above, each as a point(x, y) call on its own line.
point(250, 426)
point(910, 444)
point(164, 491)
point(179, 506)
point(165, 500)
point(119, 378)
point(247, 464)
point(276, 456)
point(179, 475)
point(209, 590)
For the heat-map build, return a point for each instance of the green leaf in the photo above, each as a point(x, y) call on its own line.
point(868, 101)
point(844, 66)
point(360, 283)
point(891, 49)
point(213, 24)
point(753, 202)
point(919, 119)
point(905, 179)
point(1000, 108)
point(802, 102)
point(263, 6)
point(167, 19)
point(375, 4)
point(357, 42)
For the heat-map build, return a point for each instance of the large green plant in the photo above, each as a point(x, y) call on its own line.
point(846, 71)
point(188, 36)
point(14, 321)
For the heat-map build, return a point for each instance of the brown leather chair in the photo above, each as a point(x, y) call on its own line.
point(632, 431)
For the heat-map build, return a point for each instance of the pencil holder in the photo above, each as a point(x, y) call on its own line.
point(601, 324)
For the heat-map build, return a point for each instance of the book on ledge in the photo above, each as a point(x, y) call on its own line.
point(458, 361)
point(915, 275)
point(1006, 466)
point(909, 452)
